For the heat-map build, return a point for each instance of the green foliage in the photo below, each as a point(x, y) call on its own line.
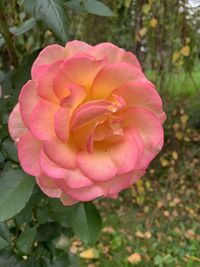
point(15, 191)
point(86, 222)
point(90, 6)
point(52, 13)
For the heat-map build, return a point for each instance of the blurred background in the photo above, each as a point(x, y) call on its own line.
point(157, 221)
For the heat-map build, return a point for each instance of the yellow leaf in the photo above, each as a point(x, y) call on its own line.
point(174, 155)
point(153, 23)
point(143, 31)
point(185, 51)
point(127, 3)
point(179, 135)
point(90, 253)
point(146, 8)
point(134, 258)
point(164, 162)
point(175, 56)
point(184, 118)
point(187, 40)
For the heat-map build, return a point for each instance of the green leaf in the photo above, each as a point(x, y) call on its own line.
point(4, 236)
point(61, 214)
point(86, 222)
point(15, 191)
point(90, 6)
point(8, 259)
point(9, 149)
point(23, 28)
point(48, 231)
point(25, 240)
point(52, 13)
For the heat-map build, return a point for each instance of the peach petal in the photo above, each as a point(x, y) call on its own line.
point(28, 153)
point(97, 166)
point(113, 76)
point(74, 47)
point(45, 83)
point(86, 194)
point(16, 126)
point(148, 126)
point(51, 190)
point(77, 95)
point(74, 179)
point(142, 94)
point(28, 99)
point(67, 200)
point(125, 153)
point(47, 56)
point(61, 123)
point(88, 112)
point(80, 70)
point(50, 168)
point(113, 53)
point(60, 153)
point(42, 120)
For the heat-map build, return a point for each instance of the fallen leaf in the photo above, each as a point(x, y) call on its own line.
point(175, 56)
point(90, 253)
point(184, 118)
point(134, 258)
point(142, 31)
point(185, 51)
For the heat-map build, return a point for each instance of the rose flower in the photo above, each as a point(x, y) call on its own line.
point(88, 123)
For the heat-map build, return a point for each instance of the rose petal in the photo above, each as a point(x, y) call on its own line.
point(98, 166)
point(142, 94)
point(42, 120)
point(75, 47)
point(28, 99)
point(113, 76)
point(61, 123)
point(28, 153)
point(80, 70)
point(60, 153)
point(148, 126)
point(113, 53)
point(16, 126)
point(47, 56)
point(45, 83)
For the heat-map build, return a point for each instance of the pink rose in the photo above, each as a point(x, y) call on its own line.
point(88, 123)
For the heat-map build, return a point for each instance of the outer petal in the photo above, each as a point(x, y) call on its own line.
point(74, 179)
point(15, 124)
point(80, 70)
point(60, 153)
point(113, 53)
point(50, 168)
point(98, 166)
point(113, 76)
point(47, 56)
point(67, 200)
point(28, 99)
point(64, 178)
point(45, 83)
point(75, 47)
point(87, 193)
point(28, 153)
point(142, 94)
point(148, 126)
point(42, 120)
point(48, 187)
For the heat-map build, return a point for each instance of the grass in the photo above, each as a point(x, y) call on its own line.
point(157, 221)
point(178, 83)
